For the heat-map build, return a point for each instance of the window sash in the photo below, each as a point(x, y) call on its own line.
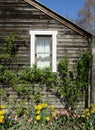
point(43, 51)
point(43, 60)
point(43, 44)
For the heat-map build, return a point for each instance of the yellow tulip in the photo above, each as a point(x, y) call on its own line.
point(39, 107)
point(92, 105)
point(2, 112)
point(38, 117)
point(54, 115)
point(82, 115)
point(38, 112)
point(47, 118)
point(52, 107)
point(44, 105)
point(87, 110)
point(1, 119)
point(2, 106)
point(88, 114)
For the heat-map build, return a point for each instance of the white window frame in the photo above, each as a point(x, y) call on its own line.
point(54, 44)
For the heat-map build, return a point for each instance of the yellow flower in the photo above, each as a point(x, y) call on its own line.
point(52, 107)
point(38, 112)
point(47, 118)
point(1, 119)
point(93, 110)
point(92, 105)
point(87, 110)
point(35, 107)
point(54, 115)
point(88, 114)
point(44, 105)
point(2, 112)
point(56, 111)
point(39, 107)
point(82, 115)
point(38, 117)
point(2, 106)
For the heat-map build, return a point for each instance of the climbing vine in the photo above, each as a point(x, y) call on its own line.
point(69, 88)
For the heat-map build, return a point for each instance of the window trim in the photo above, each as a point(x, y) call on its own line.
point(54, 44)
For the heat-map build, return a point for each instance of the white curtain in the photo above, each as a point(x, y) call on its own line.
point(43, 48)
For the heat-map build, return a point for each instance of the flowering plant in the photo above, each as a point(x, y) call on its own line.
point(2, 114)
point(88, 118)
point(48, 117)
point(5, 120)
point(42, 115)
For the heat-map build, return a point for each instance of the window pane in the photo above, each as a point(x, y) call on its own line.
point(43, 44)
point(47, 44)
point(43, 60)
point(40, 45)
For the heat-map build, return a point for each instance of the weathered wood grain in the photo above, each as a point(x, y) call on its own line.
point(20, 17)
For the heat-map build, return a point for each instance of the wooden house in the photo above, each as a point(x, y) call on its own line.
point(38, 25)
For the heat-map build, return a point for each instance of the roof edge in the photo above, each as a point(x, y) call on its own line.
point(58, 17)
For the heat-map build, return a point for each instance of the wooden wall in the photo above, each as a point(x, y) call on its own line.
point(19, 17)
point(16, 16)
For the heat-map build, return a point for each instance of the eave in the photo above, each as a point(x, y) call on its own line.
point(59, 18)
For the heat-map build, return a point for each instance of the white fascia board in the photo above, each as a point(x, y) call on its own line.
point(43, 32)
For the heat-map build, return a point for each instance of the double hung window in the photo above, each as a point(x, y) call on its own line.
point(43, 49)
point(43, 52)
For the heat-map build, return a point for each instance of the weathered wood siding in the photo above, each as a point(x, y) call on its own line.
point(17, 16)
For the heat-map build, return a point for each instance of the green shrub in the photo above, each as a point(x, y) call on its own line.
point(71, 87)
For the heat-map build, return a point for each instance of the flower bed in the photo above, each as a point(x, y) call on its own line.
point(44, 117)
